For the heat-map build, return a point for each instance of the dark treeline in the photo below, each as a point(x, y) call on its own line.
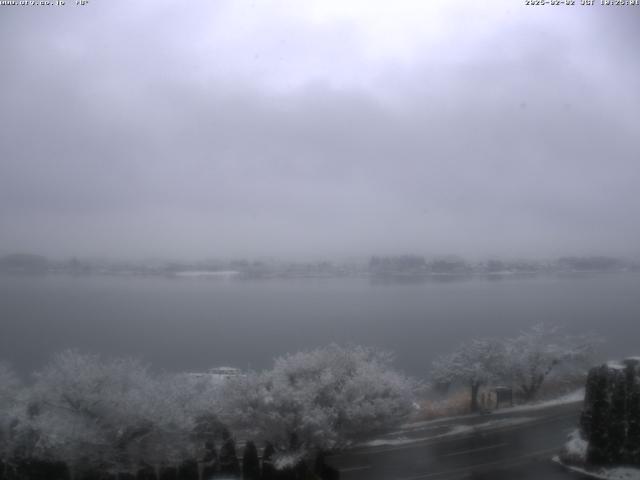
point(409, 264)
point(417, 265)
point(212, 465)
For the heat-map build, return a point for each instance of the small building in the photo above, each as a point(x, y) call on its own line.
point(217, 374)
point(504, 395)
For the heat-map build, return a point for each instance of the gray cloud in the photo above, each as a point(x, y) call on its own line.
point(153, 130)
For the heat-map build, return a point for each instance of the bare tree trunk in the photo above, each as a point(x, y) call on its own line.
point(474, 397)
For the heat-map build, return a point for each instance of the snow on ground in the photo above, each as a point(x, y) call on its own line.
point(576, 447)
point(453, 430)
point(422, 425)
point(615, 365)
point(207, 273)
point(573, 397)
point(288, 460)
point(616, 473)
point(574, 455)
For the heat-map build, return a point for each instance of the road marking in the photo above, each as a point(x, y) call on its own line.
point(480, 449)
point(461, 477)
point(467, 470)
point(354, 469)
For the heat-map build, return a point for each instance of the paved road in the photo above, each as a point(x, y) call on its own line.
point(506, 446)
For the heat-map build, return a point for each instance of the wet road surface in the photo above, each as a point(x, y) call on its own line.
point(514, 445)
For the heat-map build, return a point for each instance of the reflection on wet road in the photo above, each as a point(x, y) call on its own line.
point(516, 445)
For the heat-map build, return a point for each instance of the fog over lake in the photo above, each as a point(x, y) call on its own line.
point(194, 324)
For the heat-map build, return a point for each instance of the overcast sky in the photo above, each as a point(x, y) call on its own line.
point(319, 128)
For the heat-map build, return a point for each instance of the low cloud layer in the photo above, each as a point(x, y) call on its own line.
point(319, 129)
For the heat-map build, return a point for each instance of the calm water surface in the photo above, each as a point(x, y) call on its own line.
point(182, 324)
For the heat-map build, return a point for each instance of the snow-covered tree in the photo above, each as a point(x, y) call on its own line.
point(11, 396)
point(474, 364)
point(10, 387)
point(534, 354)
point(169, 405)
point(201, 398)
point(524, 361)
point(108, 414)
point(321, 399)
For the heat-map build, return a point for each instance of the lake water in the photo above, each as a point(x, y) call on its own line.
point(193, 324)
